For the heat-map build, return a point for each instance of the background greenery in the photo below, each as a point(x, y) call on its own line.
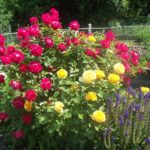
point(98, 12)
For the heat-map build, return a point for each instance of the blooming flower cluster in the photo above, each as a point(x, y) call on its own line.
point(55, 77)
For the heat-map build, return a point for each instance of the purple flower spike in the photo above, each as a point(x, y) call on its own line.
point(147, 140)
point(126, 114)
point(137, 107)
point(121, 120)
point(141, 116)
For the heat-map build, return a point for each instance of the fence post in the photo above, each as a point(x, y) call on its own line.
point(10, 33)
point(89, 28)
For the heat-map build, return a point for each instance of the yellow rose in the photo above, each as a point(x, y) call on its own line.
point(100, 74)
point(58, 106)
point(119, 68)
point(145, 89)
point(91, 39)
point(28, 106)
point(89, 76)
point(114, 78)
point(91, 96)
point(62, 74)
point(74, 86)
point(98, 116)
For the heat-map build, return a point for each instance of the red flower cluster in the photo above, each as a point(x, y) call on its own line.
point(3, 116)
point(31, 95)
point(18, 102)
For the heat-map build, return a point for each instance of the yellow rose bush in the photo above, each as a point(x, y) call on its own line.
point(58, 83)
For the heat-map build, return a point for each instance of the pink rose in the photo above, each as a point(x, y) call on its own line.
point(18, 102)
point(2, 51)
point(74, 25)
point(35, 67)
point(16, 85)
point(68, 41)
point(109, 35)
point(22, 33)
point(56, 25)
point(3, 116)
point(17, 57)
point(127, 66)
point(62, 47)
point(124, 56)
point(36, 50)
point(18, 134)
point(27, 119)
point(105, 43)
point(121, 48)
point(134, 55)
point(34, 30)
point(31, 95)
point(46, 18)
point(49, 42)
point(46, 84)
point(54, 13)
point(135, 62)
point(2, 40)
point(33, 20)
point(6, 59)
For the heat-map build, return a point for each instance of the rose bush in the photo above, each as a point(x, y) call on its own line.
point(58, 83)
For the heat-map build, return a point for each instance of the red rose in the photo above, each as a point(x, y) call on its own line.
point(27, 119)
point(18, 134)
point(23, 68)
point(35, 67)
point(56, 25)
point(2, 40)
point(74, 25)
point(6, 59)
point(92, 53)
point(2, 51)
point(30, 95)
point(34, 30)
point(17, 57)
point(33, 20)
point(121, 48)
point(75, 41)
point(46, 84)
point(46, 18)
point(22, 33)
point(3, 116)
point(36, 50)
point(49, 42)
point(105, 43)
point(15, 85)
point(10, 49)
point(127, 80)
point(62, 47)
point(18, 102)
point(2, 78)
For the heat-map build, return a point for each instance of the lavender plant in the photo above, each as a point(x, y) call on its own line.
point(128, 121)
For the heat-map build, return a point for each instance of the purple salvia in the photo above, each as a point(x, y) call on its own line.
point(137, 107)
point(117, 100)
point(121, 120)
point(126, 114)
point(147, 140)
point(141, 116)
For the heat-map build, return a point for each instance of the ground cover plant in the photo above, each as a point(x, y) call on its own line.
point(58, 84)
